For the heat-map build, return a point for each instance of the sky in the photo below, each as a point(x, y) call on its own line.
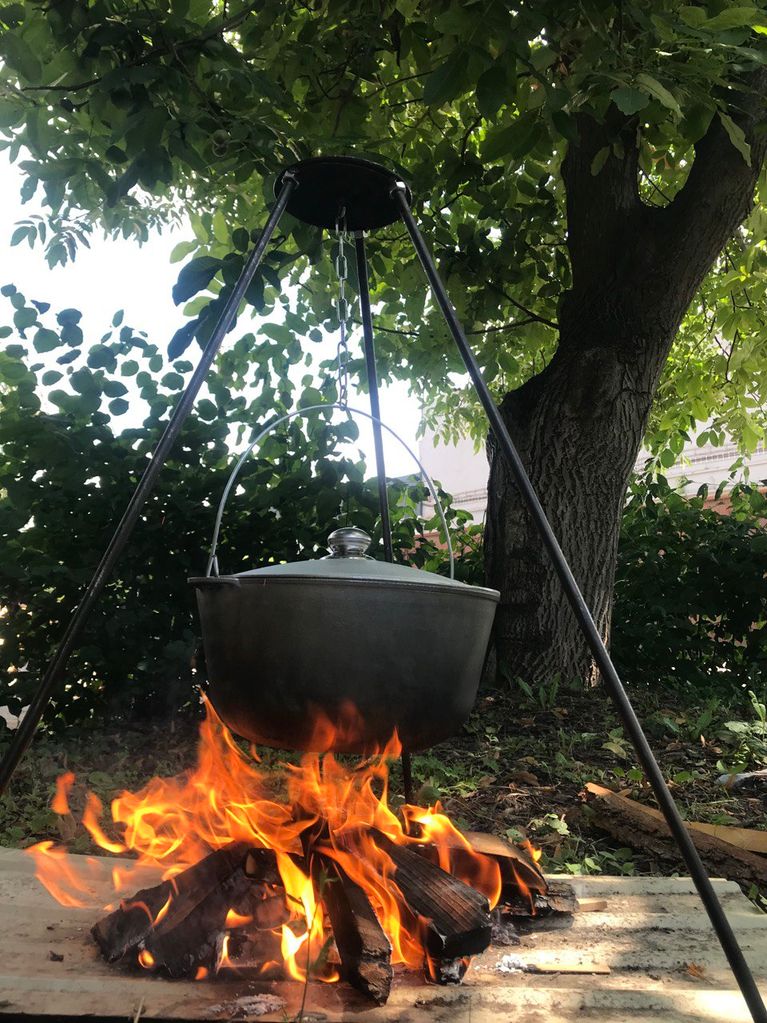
point(118, 274)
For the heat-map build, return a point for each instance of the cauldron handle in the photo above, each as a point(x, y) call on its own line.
point(212, 566)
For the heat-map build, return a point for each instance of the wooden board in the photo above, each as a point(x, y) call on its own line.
point(665, 965)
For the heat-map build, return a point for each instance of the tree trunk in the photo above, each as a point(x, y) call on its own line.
point(578, 427)
point(579, 423)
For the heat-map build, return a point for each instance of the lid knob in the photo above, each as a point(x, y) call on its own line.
point(348, 542)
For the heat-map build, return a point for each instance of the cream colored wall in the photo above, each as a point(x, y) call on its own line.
point(462, 470)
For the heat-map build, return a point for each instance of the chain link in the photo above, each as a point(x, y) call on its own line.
point(342, 310)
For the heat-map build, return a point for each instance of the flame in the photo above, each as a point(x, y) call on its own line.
point(60, 802)
point(333, 811)
point(223, 957)
point(235, 919)
point(69, 885)
point(146, 959)
point(91, 817)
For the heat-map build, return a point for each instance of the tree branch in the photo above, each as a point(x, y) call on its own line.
point(602, 191)
point(159, 51)
point(719, 191)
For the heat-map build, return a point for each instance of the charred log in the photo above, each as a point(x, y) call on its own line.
point(363, 948)
point(457, 918)
point(189, 894)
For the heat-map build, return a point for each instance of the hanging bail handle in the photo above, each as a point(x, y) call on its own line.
point(212, 566)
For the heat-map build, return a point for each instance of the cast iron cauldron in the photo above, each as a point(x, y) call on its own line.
point(403, 647)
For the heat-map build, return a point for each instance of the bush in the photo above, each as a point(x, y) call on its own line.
point(690, 595)
point(67, 471)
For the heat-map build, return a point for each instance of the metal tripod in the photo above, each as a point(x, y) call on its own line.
point(314, 191)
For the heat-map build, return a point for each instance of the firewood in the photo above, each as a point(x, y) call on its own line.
point(363, 947)
point(643, 827)
point(457, 917)
point(517, 867)
point(744, 838)
point(123, 930)
point(559, 898)
point(126, 928)
point(191, 933)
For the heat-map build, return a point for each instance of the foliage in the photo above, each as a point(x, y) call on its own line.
point(690, 600)
point(70, 457)
point(131, 115)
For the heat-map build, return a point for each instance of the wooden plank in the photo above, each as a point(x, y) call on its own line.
point(649, 980)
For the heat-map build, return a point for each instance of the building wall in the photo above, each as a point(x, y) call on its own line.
point(463, 471)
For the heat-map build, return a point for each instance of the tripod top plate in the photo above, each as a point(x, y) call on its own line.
point(329, 184)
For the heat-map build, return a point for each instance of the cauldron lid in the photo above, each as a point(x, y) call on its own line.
point(348, 560)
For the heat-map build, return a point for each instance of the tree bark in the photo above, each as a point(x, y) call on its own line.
point(579, 423)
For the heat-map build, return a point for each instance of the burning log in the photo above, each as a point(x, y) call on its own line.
point(364, 949)
point(126, 927)
point(457, 918)
point(520, 874)
point(181, 935)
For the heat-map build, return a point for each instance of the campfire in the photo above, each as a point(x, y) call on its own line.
point(325, 884)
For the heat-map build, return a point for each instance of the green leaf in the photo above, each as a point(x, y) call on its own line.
point(173, 381)
point(514, 141)
point(206, 410)
point(693, 16)
point(20, 57)
point(45, 340)
point(736, 136)
point(102, 357)
point(51, 377)
point(493, 90)
point(84, 382)
point(735, 17)
point(629, 101)
point(182, 249)
point(195, 276)
point(446, 81)
point(66, 316)
point(114, 389)
point(118, 406)
point(25, 317)
point(657, 91)
point(240, 239)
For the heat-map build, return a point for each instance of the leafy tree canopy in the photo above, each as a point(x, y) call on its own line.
point(130, 115)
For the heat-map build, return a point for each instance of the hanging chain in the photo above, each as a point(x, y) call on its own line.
point(342, 310)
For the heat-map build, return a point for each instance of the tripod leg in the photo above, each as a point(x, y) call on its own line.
point(26, 729)
point(713, 907)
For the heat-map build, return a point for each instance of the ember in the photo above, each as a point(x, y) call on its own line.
point(328, 884)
